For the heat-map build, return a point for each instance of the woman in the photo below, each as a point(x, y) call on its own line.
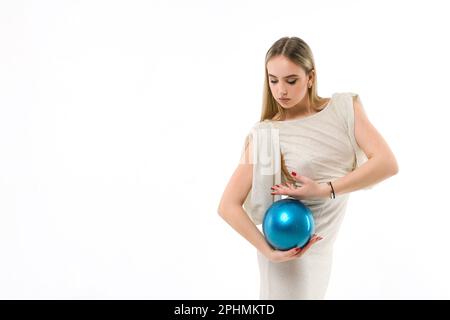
point(327, 148)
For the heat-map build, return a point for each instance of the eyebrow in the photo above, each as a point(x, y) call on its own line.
point(291, 75)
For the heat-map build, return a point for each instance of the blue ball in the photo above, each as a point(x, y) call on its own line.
point(288, 223)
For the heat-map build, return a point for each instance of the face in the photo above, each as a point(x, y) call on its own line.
point(287, 80)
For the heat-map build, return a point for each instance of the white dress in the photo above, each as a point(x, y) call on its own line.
point(321, 147)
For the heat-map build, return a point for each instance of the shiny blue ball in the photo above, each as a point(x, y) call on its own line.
point(288, 223)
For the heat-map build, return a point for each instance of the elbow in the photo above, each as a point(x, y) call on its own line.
point(223, 213)
point(393, 166)
point(221, 210)
point(224, 209)
point(395, 170)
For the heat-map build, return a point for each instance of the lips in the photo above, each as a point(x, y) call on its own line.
point(284, 100)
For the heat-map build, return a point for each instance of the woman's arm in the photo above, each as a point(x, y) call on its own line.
point(231, 210)
point(230, 206)
point(381, 162)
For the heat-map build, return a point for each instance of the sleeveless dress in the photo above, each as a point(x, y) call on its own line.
point(323, 148)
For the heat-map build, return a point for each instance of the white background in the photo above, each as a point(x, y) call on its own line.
point(122, 121)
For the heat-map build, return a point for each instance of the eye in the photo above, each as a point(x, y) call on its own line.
point(290, 82)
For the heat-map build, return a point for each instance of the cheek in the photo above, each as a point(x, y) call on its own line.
point(297, 88)
point(302, 87)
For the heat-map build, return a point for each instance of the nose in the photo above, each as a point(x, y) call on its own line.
point(282, 89)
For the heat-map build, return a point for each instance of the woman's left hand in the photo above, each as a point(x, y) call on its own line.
point(308, 190)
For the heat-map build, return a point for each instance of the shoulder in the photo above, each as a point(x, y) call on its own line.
point(257, 127)
point(262, 124)
point(345, 96)
point(347, 106)
point(358, 107)
point(354, 104)
point(347, 101)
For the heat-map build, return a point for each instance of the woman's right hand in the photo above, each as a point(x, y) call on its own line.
point(294, 253)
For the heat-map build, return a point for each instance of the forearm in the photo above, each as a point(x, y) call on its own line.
point(238, 219)
point(374, 170)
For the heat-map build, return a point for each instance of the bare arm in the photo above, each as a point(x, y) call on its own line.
point(381, 162)
point(230, 207)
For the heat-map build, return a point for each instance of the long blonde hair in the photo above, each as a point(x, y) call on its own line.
point(298, 51)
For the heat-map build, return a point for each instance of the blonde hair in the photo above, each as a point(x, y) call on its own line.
point(297, 51)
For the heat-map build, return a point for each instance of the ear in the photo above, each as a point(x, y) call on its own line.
point(311, 75)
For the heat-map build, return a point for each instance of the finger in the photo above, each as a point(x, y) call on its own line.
point(295, 251)
point(275, 189)
point(316, 236)
point(313, 241)
point(290, 185)
point(282, 189)
point(310, 243)
point(300, 252)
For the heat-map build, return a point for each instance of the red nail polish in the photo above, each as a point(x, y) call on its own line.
point(293, 173)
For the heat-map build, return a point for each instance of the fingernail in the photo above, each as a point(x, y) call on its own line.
point(293, 173)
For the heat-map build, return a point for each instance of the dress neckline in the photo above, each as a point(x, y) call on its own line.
point(327, 106)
